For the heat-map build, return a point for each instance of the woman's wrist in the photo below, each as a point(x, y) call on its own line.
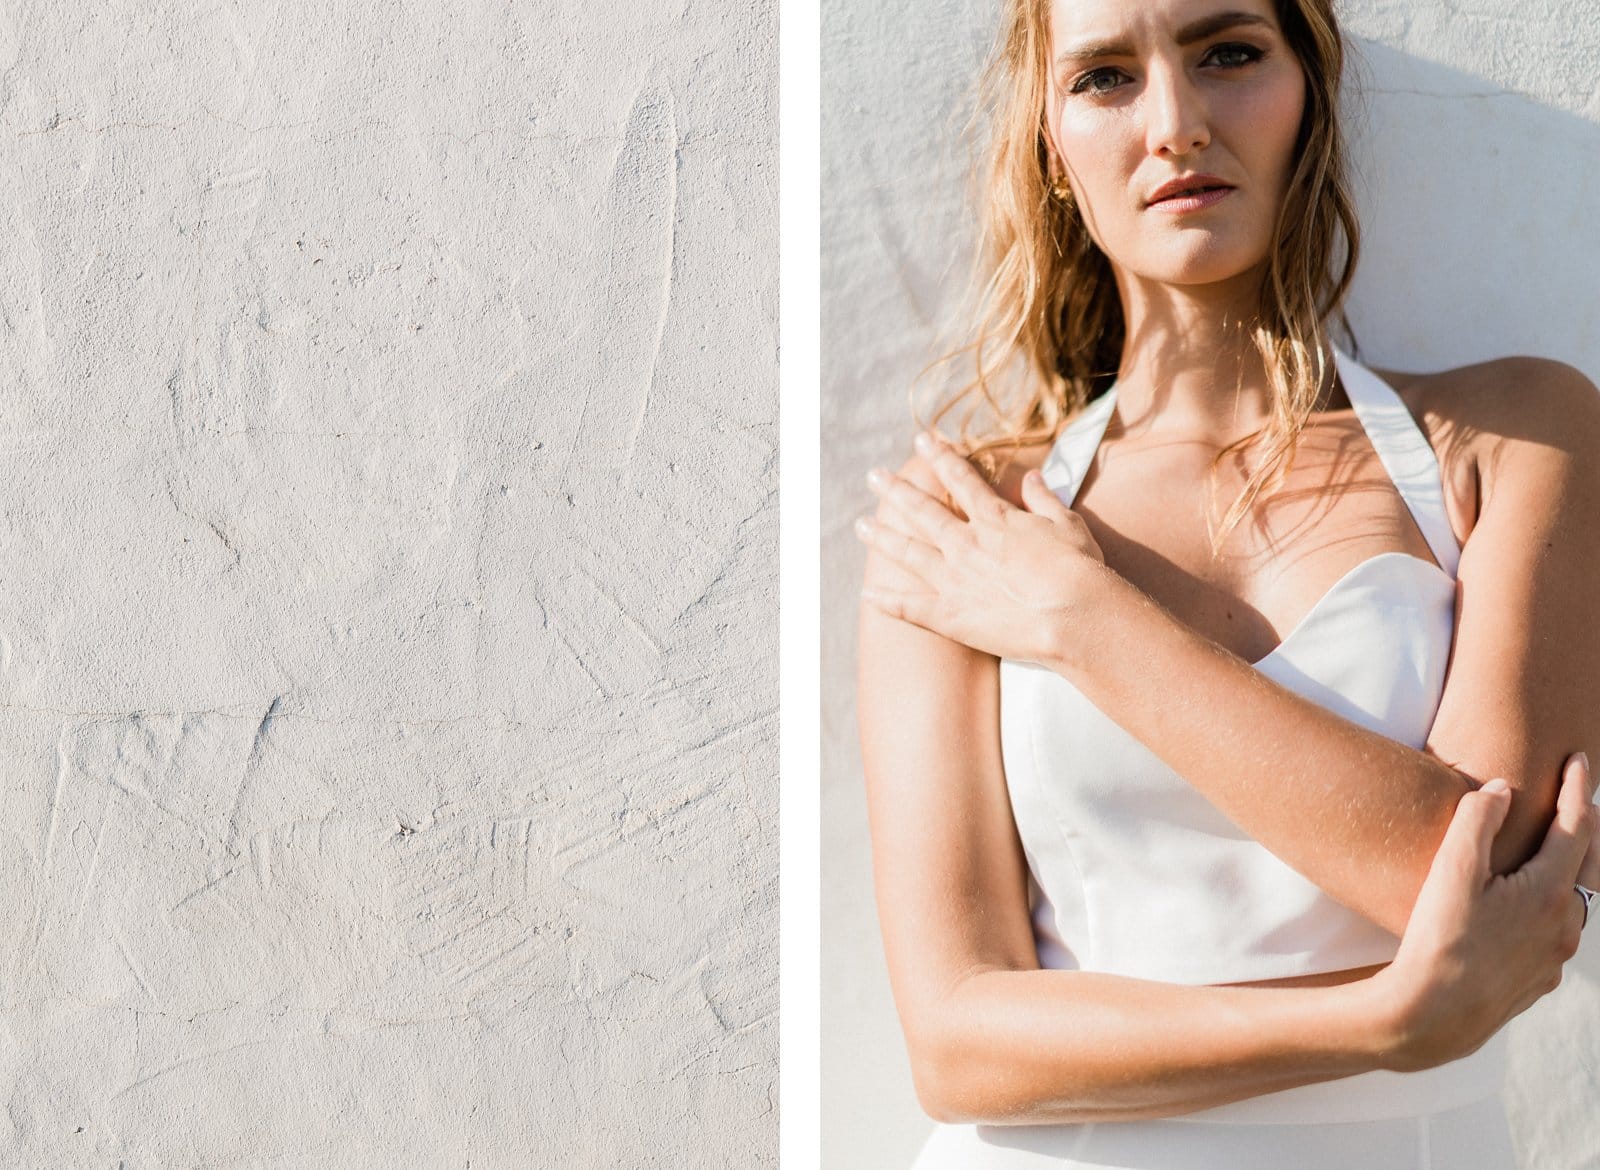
point(1079, 635)
point(1377, 1022)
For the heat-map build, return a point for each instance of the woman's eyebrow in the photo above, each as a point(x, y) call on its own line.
point(1195, 30)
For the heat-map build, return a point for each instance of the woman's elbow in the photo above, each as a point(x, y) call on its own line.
point(1533, 802)
point(940, 1057)
point(1533, 809)
point(950, 1096)
point(931, 1094)
point(936, 1074)
point(955, 1085)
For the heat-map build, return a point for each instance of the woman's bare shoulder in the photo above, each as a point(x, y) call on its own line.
point(1514, 397)
point(1474, 415)
point(1471, 412)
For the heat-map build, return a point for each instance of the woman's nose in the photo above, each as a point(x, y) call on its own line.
point(1176, 119)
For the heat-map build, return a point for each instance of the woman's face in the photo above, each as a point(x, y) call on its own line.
point(1148, 91)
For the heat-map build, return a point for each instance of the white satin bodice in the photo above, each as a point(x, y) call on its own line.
point(1132, 870)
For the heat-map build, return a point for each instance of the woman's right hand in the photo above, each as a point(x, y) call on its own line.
point(1479, 949)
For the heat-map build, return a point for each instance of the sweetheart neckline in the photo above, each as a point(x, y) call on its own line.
point(1320, 603)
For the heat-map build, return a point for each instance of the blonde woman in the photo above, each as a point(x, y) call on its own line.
point(1222, 737)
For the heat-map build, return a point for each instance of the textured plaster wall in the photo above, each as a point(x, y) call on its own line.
point(388, 633)
point(1478, 146)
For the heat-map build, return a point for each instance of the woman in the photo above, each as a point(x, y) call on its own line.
point(1185, 845)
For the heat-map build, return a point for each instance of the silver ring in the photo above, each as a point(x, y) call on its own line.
point(1588, 896)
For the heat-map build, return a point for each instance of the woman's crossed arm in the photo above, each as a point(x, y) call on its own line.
point(994, 1038)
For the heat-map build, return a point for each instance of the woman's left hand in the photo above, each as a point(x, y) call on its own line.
point(1481, 948)
point(1003, 580)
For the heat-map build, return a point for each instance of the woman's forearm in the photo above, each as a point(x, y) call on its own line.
point(1019, 1045)
point(1357, 813)
point(1041, 1046)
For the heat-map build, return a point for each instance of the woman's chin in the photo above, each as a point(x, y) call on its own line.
point(1202, 266)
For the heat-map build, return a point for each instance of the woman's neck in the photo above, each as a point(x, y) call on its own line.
point(1189, 366)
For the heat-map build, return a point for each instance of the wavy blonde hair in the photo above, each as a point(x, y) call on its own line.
point(1045, 296)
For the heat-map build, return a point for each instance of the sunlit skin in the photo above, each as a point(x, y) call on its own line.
point(960, 574)
point(1143, 94)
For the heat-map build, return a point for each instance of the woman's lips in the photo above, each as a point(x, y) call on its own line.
point(1192, 200)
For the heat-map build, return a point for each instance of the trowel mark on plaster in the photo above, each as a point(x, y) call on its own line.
point(465, 906)
point(227, 206)
point(94, 864)
point(133, 967)
point(230, 844)
point(62, 766)
point(668, 259)
point(42, 889)
point(211, 883)
point(22, 301)
point(629, 320)
point(913, 277)
point(95, 761)
point(185, 1061)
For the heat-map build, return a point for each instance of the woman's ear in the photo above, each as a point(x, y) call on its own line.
point(1056, 179)
point(1054, 171)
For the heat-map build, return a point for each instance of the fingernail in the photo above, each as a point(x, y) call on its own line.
point(875, 478)
point(923, 443)
point(863, 527)
point(1583, 759)
point(1496, 785)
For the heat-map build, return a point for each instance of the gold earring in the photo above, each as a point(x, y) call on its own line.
point(1062, 190)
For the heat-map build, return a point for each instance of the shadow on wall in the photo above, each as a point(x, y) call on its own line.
point(1479, 233)
point(1480, 240)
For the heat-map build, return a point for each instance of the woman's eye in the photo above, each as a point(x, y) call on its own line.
point(1235, 55)
point(1091, 82)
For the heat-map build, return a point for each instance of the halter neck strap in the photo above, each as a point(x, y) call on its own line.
point(1401, 446)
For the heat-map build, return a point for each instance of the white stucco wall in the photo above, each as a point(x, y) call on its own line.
point(1479, 145)
point(388, 643)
